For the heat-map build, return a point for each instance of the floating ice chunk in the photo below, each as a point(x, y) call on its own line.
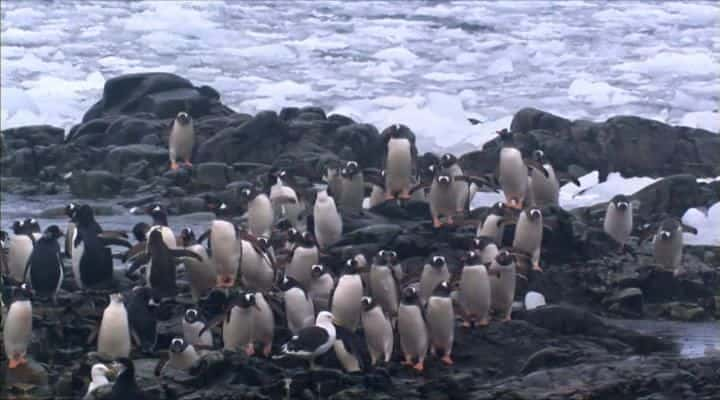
point(500, 66)
point(691, 64)
point(269, 53)
point(116, 62)
point(707, 226)
point(468, 58)
point(534, 300)
point(14, 100)
point(397, 54)
point(284, 89)
point(600, 192)
point(695, 14)
point(709, 120)
point(447, 76)
point(22, 37)
point(319, 43)
point(599, 94)
point(24, 17)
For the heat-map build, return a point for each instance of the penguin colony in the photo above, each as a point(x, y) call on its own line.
point(365, 309)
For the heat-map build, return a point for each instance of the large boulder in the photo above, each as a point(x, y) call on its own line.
point(95, 183)
point(121, 157)
point(33, 135)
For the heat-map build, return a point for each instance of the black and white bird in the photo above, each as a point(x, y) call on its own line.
point(44, 268)
point(313, 341)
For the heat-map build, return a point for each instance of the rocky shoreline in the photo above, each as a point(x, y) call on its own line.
point(118, 153)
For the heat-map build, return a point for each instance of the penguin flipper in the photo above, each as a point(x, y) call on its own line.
point(185, 253)
point(164, 357)
point(111, 240)
point(477, 180)
point(118, 234)
point(538, 166)
point(205, 235)
point(418, 187)
point(689, 229)
point(138, 260)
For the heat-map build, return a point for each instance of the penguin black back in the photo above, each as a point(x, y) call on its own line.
point(45, 269)
point(125, 387)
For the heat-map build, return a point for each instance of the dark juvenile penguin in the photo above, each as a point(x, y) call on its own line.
point(19, 251)
point(528, 235)
point(668, 244)
point(502, 284)
point(91, 258)
point(299, 307)
point(260, 214)
point(544, 184)
point(512, 171)
point(17, 329)
point(384, 284)
point(182, 140)
point(313, 341)
point(618, 222)
point(331, 175)
point(433, 273)
point(161, 270)
point(378, 331)
point(44, 269)
point(139, 231)
point(32, 226)
point(441, 322)
point(70, 230)
point(474, 294)
point(322, 283)
point(399, 161)
point(412, 329)
point(125, 387)
point(352, 186)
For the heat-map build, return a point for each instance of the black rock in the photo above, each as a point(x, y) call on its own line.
point(120, 157)
point(95, 183)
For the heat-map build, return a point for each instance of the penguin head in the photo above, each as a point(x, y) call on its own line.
point(192, 315)
point(358, 263)
point(368, 303)
point(480, 243)
point(275, 175)
point(385, 257)
point(31, 225)
point(187, 236)
point(350, 170)
point(506, 137)
point(534, 213)
point(3, 239)
point(140, 231)
point(52, 232)
point(183, 118)
point(70, 211)
point(99, 371)
point(398, 131)
point(263, 242)
point(247, 194)
point(293, 236)
point(17, 227)
point(410, 295)
point(317, 270)
point(437, 261)
point(498, 208)
point(178, 345)
point(22, 293)
point(444, 180)
point(442, 289)
point(539, 156)
point(621, 202)
point(116, 298)
point(84, 215)
point(471, 257)
point(669, 228)
point(504, 258)
point(159, 214)
point(247, 299)
point(288, 283)
point(448, 160)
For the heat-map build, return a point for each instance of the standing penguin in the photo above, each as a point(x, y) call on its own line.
point(474, 296)
point(346, 299)
point(322, 284)
point(668, 244)
point(114, 334)
point(21, 247)
point(331, 175)
point(494, 224)
point(70, 230)
point(378, 331)
point(201, 274)
point(544, 184)
point(285, 200)
point(45, 268)
point(161, 270)
point(352, 186)
point(192, 325)
point(443, 200)
point(384, 285)
point(441, 322)
point(17, 329)
point(299, 308)
point(399, 161)
point(256, 266)
point(512, 171)
point(182, 140)
point(432, 274)
point(462, 192)
point(528, 235)
point(159, 215)
point(237, 332)
point(260, 214)
point(141, 317)
point(618, 222)
point(485, 248)
point(225, 246)
point(412, 329)
point(125, 386)
point(502, 284)
point(304, 255)
point(328, 223)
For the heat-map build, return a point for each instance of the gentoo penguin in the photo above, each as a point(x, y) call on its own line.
point(412, 329)
point(618, 222)
point(45, 268)
point(125, 386)
point(263, 324)
point(461, 190)
point(384, 285)
point(502, 284)
point(399, 161)
point(345, 302)
point(141, 317)
point(201, 275)
point(3, 252)
point(331, 175)
point(299, 308)
point(225, 246)
point(21, 247)
point(544, 184)
point(359, 263)
point(328, 223)
point(285, 200)
point(352, 186)
point(528, 235)
point(474, 293)
point(159, 215)
point(494, 223)
point(191, 326)
point(512, 171)
point(322, 284)
point(161, 264)
point(92, 262)
point(304, 255)
point(182, 140)
point(260, 214)
point(441, 322)
point(257, 271)
point(250, 322)
point(485, 248)
point(99, 377)
point(668, 244)
point(313, 341)
point(70, 230)
point(348, 349)
point(378, 331)
point(114, 335)
point(32, 226)
point(139, 231)
point(432, 274)
point(17, 329)
point(182, 354)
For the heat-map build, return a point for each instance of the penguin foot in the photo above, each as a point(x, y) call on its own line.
point(408, 360)
point(250, 349)
point(16, 361)
point(483, 322)
point(447, 360)
point(536, 267)
point(404, 195)
point(389, 196)
point(188, 163)
point(173, 165)
point(467, 323)
point(450, 221)
point(419, 367)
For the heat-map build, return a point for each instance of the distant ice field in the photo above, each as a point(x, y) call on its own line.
point(426, 64)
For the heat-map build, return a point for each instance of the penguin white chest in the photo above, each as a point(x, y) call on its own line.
point(618, 223)
point(225, 247)
point(300, 267)
point(328, 224)
point(114, 335)
point(21, 247)
point(346, 303)
point(398, 166)
point(260, 215)
point(528, 234)
point(513, 174)
point(18, 328)
point(181, 141)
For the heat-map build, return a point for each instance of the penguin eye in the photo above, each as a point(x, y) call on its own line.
point(223, 206)
point(471, 254)
point(431, 168)
point(282, 173)
point(392, 254)
point(344, 171)
point(177, 342)
point(381, 253)
point(156, 208)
